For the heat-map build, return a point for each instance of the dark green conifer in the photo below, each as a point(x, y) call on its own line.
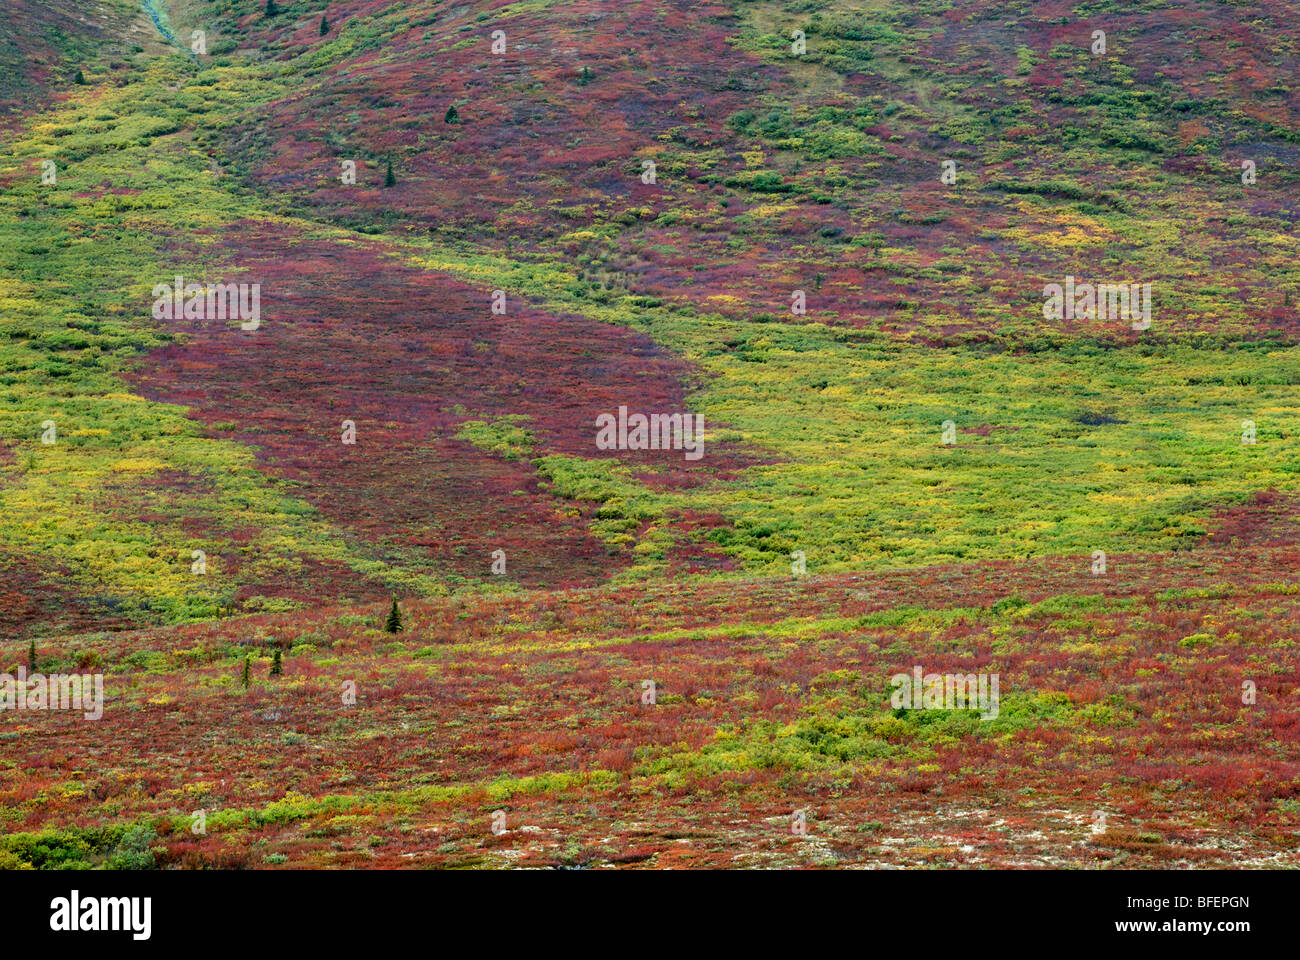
point(394, 621)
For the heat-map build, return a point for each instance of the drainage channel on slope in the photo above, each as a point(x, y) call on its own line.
point(158, 15)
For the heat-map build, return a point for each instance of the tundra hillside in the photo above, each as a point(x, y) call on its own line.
point(860, 243)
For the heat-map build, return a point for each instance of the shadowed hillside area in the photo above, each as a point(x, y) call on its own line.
point(966, 336)
point(43, 43)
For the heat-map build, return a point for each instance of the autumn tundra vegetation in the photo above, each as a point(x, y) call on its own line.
point(965, 342)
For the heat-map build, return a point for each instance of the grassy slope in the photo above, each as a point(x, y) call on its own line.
point(826, 435)
point(1138, 440)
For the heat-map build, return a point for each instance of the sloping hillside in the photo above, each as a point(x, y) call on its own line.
point(43, 43)
point(775, 173)
point(831, 229)
point(685, 726)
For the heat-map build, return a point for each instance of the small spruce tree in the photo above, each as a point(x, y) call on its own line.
point(389, 179)
point(248, 670)
point(324, 26)
point(452, 116)
point(277, 669)
point(394, 621)
point(31, 656)
point(584, 77)
point(271, 8)
point(80, 78)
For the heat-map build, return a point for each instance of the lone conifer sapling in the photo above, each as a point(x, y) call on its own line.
point(394, 621)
